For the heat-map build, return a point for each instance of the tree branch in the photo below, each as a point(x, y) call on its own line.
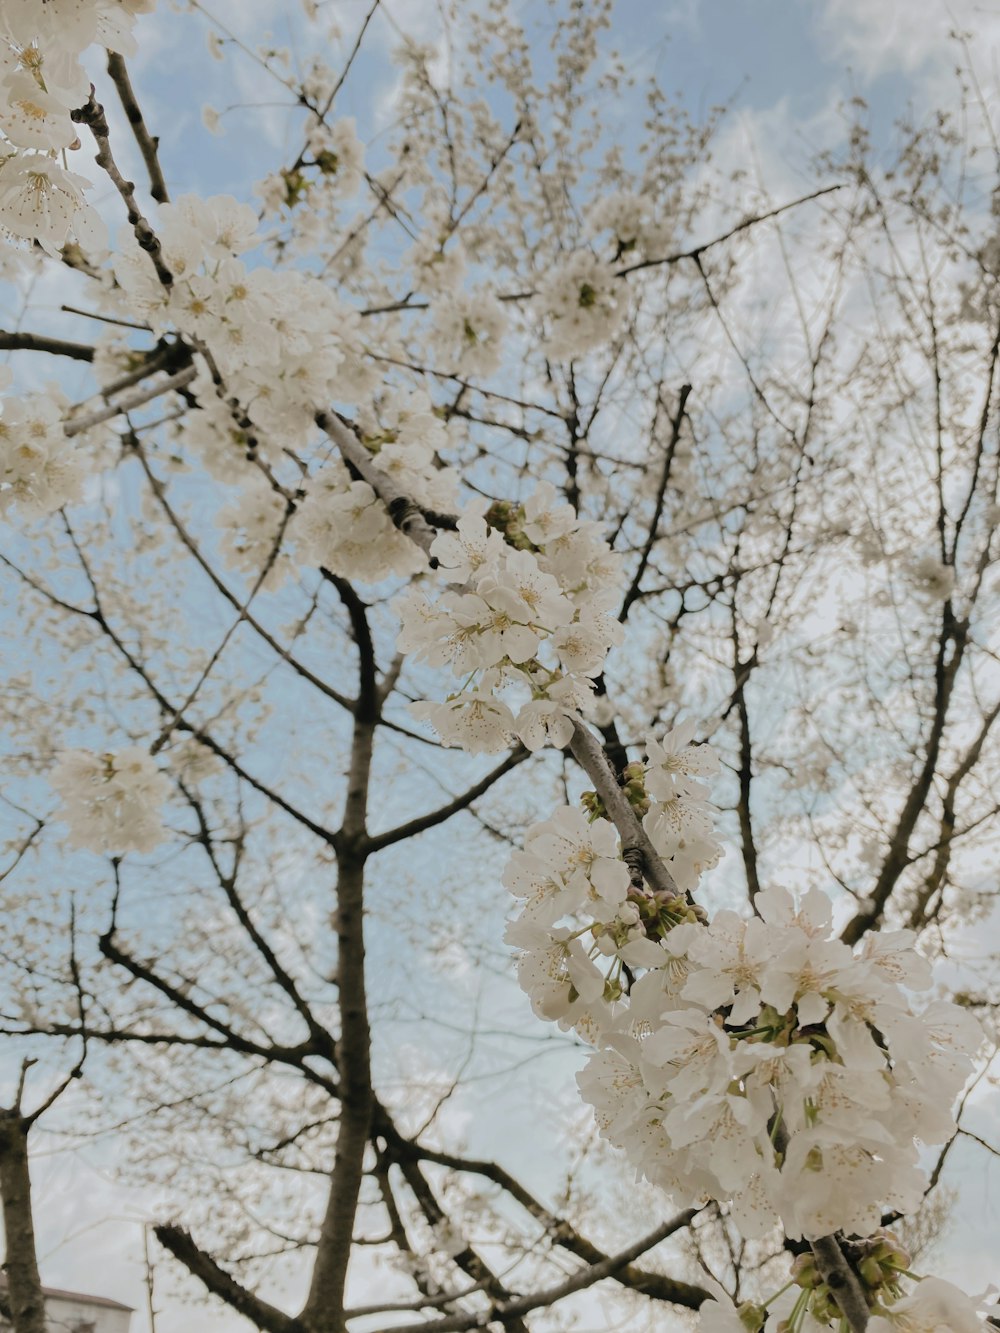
point(37, 342)
point(148, 146)
point(654, 523)
point(420, 823)
point(180, 1244)
point(510, 1311)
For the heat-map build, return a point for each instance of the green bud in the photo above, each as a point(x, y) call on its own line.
point(296, 186)
point(637, 798)
point(891, 1255)
point(823, 1307)
point(327, 161)
point(593, 805)
point(804, 1272)
point(751, 1316)
point(870, 1271)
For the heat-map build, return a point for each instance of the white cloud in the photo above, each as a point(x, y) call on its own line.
point(907, 36)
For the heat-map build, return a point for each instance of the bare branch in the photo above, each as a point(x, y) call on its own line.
point(180, 1244)
point(36, 342)
point(148, 146)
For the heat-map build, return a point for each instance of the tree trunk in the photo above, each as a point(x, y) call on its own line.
point(24, 1286)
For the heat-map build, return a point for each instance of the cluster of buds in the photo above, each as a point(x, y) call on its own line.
point(633, 785)
point(508, 518)
point(879, 1261)
point(660, 912)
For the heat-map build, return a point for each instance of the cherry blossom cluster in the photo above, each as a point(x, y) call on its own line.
point(40, 469)
point(631, 220)
point(112, 802)
point(331, 168)
point(805, 1304)
point(587, 924)
point(344, 526)
point(467, 322)
point(757, 1061)
point(41, 82)
point(582, 303)
point(525, 626)
point(467, 331)
point(282, 343)
point(769, 1065)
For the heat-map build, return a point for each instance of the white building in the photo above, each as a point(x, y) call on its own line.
point(72, 1312)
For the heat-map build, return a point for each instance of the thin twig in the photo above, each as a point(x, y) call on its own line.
point(77, 424)
point(36, 342)
point(92, 115)
point(148, 145)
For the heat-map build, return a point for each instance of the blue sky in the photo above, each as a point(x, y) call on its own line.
point(786, 64)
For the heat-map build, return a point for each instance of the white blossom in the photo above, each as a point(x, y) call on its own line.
point(468, 332)
point(112, 802)
point(675, 767)
point(934, 1306)
point(583, 303)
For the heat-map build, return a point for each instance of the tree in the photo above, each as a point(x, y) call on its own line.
point(400, 541)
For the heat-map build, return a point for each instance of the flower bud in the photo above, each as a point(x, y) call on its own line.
point(804, 1272)
point(751, 1316)
point(870, 1271)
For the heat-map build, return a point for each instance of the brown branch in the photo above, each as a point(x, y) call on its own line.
point(368, 696)
point(420, 823)
point(324, 1307)
point(696, 251)
point(661, 490)
point(637, 849)
point(233, 1040)
point(164, 356)
point(269, 1318)
point(747, 842)
point(116, 320)
point(148, 145)
point(467, 1259)
point(510, 1311)
point(953, 636)
point(36, 342)
point(24, 1285)
point(984, 420)
point(942, 858)
point(300, 161)
point(657, 1286)
point(406, 515)
point(741, 672)
point(840, 1277)
point(25, 1297)
point(138, 399)
point(319, 1035)
point(92, 115)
